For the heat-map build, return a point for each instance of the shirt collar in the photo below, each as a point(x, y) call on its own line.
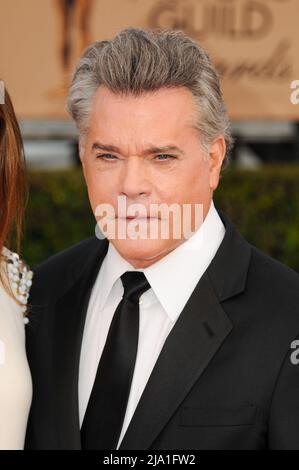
point(174, 277)
point(114, 265)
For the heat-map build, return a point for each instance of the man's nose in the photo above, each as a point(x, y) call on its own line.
point(134, 179)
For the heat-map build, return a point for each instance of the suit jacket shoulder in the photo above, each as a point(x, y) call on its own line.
point(57, 273)
point(277, 286)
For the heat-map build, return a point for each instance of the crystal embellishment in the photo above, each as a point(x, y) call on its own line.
point(20, 278)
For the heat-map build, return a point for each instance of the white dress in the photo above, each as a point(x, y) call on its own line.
point(15, 378)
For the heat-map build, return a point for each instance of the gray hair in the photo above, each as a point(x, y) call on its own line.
point(136, 61)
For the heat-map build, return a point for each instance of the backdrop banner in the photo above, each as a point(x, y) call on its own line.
point(253, 43)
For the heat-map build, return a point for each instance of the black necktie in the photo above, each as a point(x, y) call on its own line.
point(107, 404)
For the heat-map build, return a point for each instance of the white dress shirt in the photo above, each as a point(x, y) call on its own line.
point(172, 280)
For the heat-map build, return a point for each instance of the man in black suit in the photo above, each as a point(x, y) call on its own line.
point(184, 341)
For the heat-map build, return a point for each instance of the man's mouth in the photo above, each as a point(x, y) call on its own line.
point(137, 217)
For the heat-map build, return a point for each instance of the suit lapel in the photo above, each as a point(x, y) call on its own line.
point(71, 311)
point(192, 343)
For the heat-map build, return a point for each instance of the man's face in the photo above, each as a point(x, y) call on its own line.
point(147, 150)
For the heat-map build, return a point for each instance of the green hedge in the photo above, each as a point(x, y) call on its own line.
point(263, 204)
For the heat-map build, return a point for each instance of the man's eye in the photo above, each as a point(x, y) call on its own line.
point(106, 156)
point(164, 157)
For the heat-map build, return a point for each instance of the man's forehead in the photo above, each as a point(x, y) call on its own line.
point(141, 123)
point(155, 122)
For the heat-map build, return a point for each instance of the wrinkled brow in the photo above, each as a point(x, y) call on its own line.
point(149, 151)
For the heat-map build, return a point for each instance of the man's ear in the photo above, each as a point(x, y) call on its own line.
point(216, 157)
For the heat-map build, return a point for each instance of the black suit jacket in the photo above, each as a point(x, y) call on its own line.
point(225, 378)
